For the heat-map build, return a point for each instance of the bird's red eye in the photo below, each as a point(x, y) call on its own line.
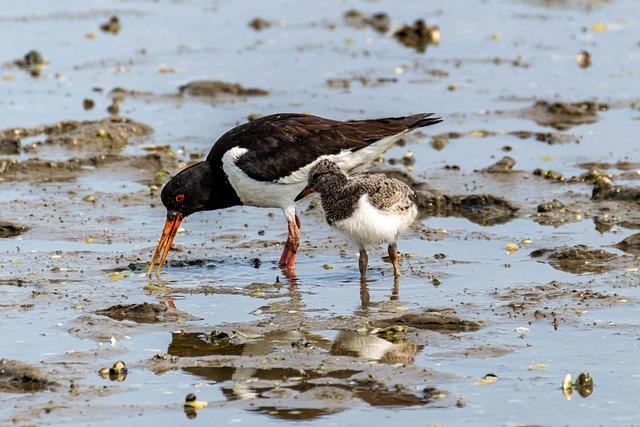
point(180, 198)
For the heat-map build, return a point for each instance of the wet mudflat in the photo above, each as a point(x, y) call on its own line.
point(521, 269)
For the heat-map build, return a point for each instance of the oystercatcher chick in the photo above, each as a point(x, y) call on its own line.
point(265, 163)
point(370, 209)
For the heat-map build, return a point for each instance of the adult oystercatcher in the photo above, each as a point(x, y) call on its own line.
point(370, 209)
point(265, 163)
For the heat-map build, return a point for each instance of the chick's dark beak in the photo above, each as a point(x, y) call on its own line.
point(304, 193)
point(166, 240)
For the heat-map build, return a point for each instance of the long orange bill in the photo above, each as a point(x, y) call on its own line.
point(166, 240)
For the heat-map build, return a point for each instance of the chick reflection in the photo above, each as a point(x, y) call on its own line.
point(353, 344)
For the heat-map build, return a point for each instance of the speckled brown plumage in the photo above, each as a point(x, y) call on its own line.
point(340, 195)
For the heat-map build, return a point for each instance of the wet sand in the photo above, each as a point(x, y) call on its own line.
point(521, 269)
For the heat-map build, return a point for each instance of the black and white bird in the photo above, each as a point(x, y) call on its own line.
point(370, 209)
point(265, 163)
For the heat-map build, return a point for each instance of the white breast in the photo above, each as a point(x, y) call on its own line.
point(369, 225)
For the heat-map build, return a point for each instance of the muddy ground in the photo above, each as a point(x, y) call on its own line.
point(522, 268)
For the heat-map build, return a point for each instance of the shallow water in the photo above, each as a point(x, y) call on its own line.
point(64, 261)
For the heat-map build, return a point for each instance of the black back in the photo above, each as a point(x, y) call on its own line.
point(282, 143)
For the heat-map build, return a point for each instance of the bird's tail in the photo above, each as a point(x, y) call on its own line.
point(421, 120)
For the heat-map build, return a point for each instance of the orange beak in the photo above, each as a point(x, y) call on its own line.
point(170, 229)
point(304, 193)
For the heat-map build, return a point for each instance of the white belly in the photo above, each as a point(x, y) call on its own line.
point(371, 226)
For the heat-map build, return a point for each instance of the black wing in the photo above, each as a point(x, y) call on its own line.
point(283, 143)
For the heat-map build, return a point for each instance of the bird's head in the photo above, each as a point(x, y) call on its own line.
point(323, 177)
point(190, 191)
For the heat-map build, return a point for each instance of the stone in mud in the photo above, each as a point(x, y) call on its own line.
point(564, 115)
point(216, 88)
point(579, 259)
point(443, 321)
point(145, 313)
point(9, 146)
point(504, 165)
point(630, 245)
point(483, 209)
point(112, 25)
point(259, 24)
point(605, 190)
point(418, 36)
point(8, 229)
point(378, 21)
point(20, 377)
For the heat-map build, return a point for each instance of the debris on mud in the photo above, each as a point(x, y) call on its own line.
point(550, 175)
point(8, 229)
point(217, 88)
point(418, 36)
point(564, 115)
point(111, 134)
point(580, 259)
point(378, 21)
point(118, 372)
point(9, 146)
point(438, 320)
point(33, 62)
point(112, 25)
point(145, 313)
point(555, 301)
point(259, 24)
point(20, 377)
point(504, 165)
point(555, 213)
point(605, 190)
point(439, 141)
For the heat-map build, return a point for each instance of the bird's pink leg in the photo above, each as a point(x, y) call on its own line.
point(288, 258)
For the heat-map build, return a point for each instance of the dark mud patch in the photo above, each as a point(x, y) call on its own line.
point(20, 377)
point(630, 245)
point(39, 170)
point(418, 36)
point(146, 313)
point(555, 302)
point(564, 115)
point(582, 259)
point(604, 189)
point(217, 88)
point(441, 320)
point(9, 229)
point(477, 352)
point(483, 209)
point(197, 262)
point(379, 21)
point(237, 343)
point(111, 134)
point(504, 165)
point(440, 141)
point(555, 213)
point(260, 24)
point(306, 384)
point(9, 146)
